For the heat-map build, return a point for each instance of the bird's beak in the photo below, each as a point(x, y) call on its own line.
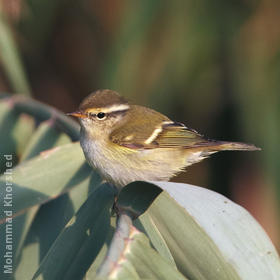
point(77, 114)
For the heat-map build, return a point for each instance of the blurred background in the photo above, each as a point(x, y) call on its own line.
point(214, 65)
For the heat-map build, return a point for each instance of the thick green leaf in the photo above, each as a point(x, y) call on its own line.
point(147, 262)
point(53, 215)
point(45, 177)
point(135, 199)
point(21, 227)
point(41, 112)
point(130, 256)
point(126, 272)
point(38, 181)
point(21, 132)
point(45, 137)
point(209, 236)
point(81, 240)
point(16, 126)
point(16, 129)
point(147, 225)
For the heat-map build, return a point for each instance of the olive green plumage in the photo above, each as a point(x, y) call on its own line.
point(129, 142)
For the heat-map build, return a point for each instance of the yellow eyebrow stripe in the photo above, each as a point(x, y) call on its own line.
point(107, 110)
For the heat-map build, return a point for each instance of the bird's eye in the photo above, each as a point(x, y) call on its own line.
point(101, 115)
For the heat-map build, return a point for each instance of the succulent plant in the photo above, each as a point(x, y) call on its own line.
point(64, 225)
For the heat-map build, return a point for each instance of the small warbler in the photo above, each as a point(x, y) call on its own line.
point(125, 143)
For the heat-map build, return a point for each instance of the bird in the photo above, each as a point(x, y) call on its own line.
point(125, 142)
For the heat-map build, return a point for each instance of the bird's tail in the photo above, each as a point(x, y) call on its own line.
point(230, 146)
point(209, 147)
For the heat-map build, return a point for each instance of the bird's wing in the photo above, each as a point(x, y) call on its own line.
point(178, 135)
point(159, 134)
point(150, 129)
point(175, 135)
